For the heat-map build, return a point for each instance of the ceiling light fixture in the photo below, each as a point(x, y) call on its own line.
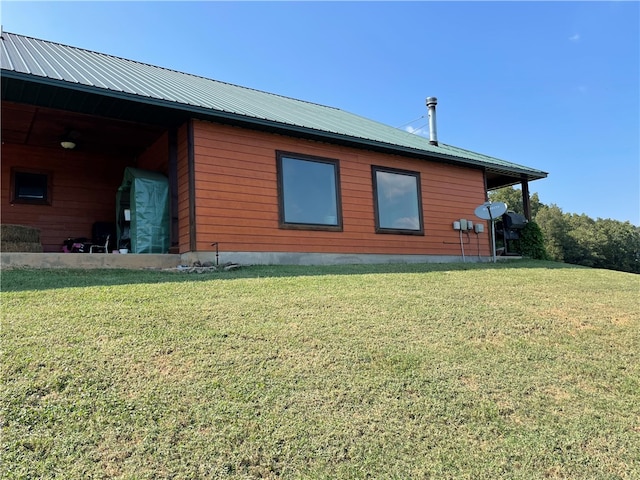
point(69, 140)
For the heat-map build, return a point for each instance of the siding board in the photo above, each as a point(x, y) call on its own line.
point(237, 198)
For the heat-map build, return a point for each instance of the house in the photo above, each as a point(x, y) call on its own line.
point(261, 177)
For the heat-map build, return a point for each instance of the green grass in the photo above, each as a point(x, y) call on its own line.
point(526, 370)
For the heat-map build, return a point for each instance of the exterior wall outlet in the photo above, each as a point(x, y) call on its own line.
point(456, 225)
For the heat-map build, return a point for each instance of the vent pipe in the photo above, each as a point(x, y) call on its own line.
point(431, 106)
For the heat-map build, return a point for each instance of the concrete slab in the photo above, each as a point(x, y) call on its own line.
point(88, 260)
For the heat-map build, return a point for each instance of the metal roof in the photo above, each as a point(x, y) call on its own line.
point(75, 68)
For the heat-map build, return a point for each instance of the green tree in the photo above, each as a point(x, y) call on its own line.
point(618, 245)
point(581, 246)
point(573, 238)
point(555, 230)
point(513, 198)
point(581, 240)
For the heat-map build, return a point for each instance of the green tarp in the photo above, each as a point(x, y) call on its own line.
point(146, 195)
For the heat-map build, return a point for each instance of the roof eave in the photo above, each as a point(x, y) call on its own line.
point(286, 128)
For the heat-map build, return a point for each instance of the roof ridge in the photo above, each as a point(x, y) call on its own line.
point(50, 42)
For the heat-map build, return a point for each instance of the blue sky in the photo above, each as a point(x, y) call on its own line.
point(550, 85)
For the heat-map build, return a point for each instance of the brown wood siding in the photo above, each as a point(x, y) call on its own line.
point(183, 190)
point(83, 191)
point(237, 198)
point(156, 157)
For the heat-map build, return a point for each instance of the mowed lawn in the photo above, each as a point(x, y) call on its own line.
point(525, 370)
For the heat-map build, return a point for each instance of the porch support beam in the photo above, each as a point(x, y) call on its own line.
point(526, 200)
point(173, 188)
point(192, 186)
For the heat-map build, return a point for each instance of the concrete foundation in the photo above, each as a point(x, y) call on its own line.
point(159, 262)
point(88, 260)
point(287, 258)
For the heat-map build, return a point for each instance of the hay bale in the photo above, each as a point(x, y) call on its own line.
point(19, 238)
point(19, 234)
point(29, 247)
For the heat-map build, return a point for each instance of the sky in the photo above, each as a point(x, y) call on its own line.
point(551, 85)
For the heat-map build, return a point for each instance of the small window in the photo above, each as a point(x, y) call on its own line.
point(308, 192)
point(397, 201)
point(30, 187)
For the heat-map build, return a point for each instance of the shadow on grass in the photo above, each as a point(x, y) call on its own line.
point(16, 280)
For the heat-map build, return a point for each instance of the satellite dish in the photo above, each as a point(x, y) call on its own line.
point(490, 211)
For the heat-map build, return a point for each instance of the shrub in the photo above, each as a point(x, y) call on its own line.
point(532, 242)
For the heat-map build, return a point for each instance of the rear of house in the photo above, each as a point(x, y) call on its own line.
point(260, 177)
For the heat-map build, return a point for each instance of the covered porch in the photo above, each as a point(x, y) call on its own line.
point(61, 168)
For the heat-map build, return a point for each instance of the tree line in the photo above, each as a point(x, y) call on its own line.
point(571, 238)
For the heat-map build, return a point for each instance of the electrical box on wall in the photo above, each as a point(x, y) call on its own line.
point(463, 224)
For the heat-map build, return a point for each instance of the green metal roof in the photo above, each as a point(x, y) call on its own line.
point(74, 68)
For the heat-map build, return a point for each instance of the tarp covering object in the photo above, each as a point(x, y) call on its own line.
point(146, 195)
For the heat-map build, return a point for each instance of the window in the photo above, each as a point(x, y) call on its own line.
point(308, 192)
point(397, 201)
point(30, 187)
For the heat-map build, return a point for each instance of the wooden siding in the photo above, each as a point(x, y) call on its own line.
point(236, 197)
point(83, 191)
point(156, 157)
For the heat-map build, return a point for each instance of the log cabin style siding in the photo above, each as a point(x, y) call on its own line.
point(236, 198)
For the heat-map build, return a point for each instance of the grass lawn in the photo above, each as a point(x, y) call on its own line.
point(523, 370)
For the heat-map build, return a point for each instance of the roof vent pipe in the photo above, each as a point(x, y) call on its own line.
point(431, 106)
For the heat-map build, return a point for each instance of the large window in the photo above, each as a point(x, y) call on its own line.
point(309, 192)
point(397, 201)
point(29, 186)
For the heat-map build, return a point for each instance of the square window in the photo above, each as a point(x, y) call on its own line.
point(397, 201)
point(308, 192)
point(30, 187)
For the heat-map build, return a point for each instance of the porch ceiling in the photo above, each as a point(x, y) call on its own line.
point(44, 127)
point(497, 179)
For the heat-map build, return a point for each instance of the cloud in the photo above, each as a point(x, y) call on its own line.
point(575, 37)
point(407, 223)
point(394, 186)
point(418, 131)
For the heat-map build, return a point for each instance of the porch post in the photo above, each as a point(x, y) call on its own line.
point(173, 189)
point(484, 179)
point(192, 186)
point(526, 201)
